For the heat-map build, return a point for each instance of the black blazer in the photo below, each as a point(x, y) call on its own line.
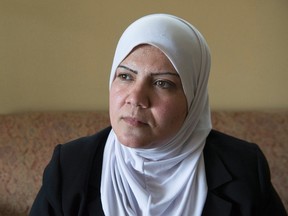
point(237, 175)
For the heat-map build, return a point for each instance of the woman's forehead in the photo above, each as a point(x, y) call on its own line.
point(150, 57)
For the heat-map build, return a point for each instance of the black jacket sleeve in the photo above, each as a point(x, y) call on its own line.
point(71, 180)
point(48, 200)
point(271, 202)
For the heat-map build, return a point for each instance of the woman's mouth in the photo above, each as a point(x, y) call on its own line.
point(135, 122)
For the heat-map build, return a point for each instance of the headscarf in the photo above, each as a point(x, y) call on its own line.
point(169, 179)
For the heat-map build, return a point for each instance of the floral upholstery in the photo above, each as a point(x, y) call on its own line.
point(28, 139)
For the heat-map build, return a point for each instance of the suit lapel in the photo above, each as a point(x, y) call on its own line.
point(216, 175)
point(216, 206)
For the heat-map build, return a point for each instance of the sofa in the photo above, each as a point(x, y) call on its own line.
point(27, 141)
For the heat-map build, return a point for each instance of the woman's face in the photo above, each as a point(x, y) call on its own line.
point(147, 102)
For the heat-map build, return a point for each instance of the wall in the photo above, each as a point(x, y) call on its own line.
point(56, 55)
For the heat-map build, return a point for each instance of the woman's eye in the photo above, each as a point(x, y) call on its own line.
point(164, 84)
point(126, 77)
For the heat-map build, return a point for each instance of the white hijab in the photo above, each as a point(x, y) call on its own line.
point(170, 179)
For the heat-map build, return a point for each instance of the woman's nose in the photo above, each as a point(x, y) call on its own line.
point(138, 96)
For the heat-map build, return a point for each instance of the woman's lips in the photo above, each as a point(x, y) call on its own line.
point(135, 122)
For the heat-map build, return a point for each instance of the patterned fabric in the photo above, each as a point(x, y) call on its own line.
point(27, 141)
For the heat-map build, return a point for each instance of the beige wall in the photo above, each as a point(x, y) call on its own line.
point(56, 55)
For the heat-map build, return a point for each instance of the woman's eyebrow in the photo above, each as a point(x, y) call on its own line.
point(127, 68)
point(165, 73)
point(152, 74)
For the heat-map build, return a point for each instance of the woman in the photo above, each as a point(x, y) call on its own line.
point(160, 157)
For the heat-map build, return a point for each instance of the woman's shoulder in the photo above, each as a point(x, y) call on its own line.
point(223, 142)
point(86, 144)
point(238, 170)
point(242, 159)
point(238, 155)
point(75, 158)
point(80, 153)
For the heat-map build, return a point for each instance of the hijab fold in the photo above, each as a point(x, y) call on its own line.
point(169, 179)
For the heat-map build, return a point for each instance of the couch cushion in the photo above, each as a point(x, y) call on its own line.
point(28, 139)
point(26, 144)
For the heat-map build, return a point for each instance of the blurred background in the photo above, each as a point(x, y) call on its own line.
point(56, 55)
